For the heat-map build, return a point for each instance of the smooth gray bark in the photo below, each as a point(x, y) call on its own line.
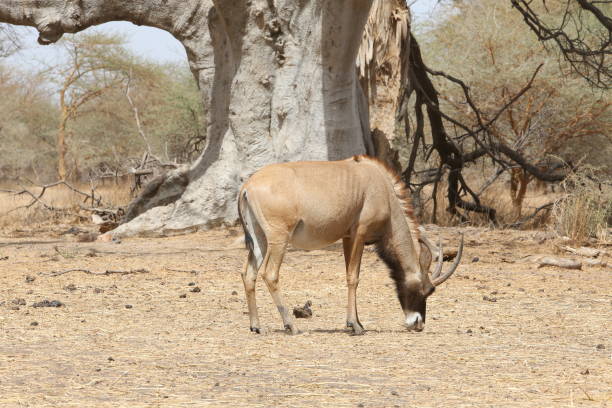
point(277, 77)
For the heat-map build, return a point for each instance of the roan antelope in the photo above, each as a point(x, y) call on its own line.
point(312, 205)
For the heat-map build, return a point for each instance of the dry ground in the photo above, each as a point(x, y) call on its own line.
point(541, 340)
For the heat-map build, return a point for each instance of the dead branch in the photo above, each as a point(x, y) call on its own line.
point(559, 262)
point(584, 48)
point(37, 198)
point(582, 251)
point(87, 271)
point(522, 221)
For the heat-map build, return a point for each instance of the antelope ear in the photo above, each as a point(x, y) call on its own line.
point(425, 258)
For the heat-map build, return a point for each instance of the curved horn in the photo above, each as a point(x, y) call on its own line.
point(440, 262)
point(437, 280)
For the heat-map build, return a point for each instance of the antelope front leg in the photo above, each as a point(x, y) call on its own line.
point(270, 275)
point(353, 250)
point(249, 276)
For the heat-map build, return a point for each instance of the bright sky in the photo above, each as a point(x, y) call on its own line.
point(151, 42)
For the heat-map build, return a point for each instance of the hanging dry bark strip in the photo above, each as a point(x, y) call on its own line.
point(87, 271)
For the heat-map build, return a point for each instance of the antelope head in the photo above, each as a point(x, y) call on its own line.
point(414, 299)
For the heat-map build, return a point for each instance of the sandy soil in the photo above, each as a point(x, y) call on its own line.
point(499, 333)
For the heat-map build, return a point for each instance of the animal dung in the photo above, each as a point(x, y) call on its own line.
point(303, 312)
point(47, 303)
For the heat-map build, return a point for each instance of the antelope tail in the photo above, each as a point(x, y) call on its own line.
point(254, 238)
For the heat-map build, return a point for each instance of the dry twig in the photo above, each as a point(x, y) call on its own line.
point(87, 271)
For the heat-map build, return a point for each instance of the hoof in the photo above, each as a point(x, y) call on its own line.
point(291, 329)
point(357, 328)
point(255, 330)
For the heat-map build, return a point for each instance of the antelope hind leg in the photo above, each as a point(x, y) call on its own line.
point(271, 267)
point(249, 277)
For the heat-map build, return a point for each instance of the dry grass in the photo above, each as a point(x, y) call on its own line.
point(544, 342)
point(36, 218)
point(585, 211)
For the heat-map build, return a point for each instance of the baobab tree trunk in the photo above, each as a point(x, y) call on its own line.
point(277, 76)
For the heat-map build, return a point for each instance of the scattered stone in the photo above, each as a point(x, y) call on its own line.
point(98, 290)
point(47, 303)
point(196, 289)
point(600, 347)
point(91, 253)
point(191, 284)
point(217, 384)
point(469, 331)
point(14, 308)
point(29, 278)
point(303, 312)
point(98, 369)
point(394, 393)
point(585, 372)
point(183, 295)
point(475, 259)
point(489, 299)
point(494, 292)
point(234, 293)
point(128, 306)
point(111, 359)
point(34, 324)
point(29, 292)
point(4, 258)
point(71, 287)
point(19, 302)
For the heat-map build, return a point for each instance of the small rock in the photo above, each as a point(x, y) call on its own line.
point(469, 331)
point(111, 359)
point(47, 303)
point(98, 290)
point(217, 384)
point(489, 299)
point(475, 259)
point(183, 295)
point(14, 308)
point(98, 369)
point(196, 289)
point(191, 284)
point(234, 293)
point(34, 324)
point(600, 347)
point(394, 393)
point(19, 302)
point(70, 287)
point(585, 372)
point(128, 306)
point(29, 278)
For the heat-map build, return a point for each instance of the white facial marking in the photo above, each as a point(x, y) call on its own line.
point(413, 318)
